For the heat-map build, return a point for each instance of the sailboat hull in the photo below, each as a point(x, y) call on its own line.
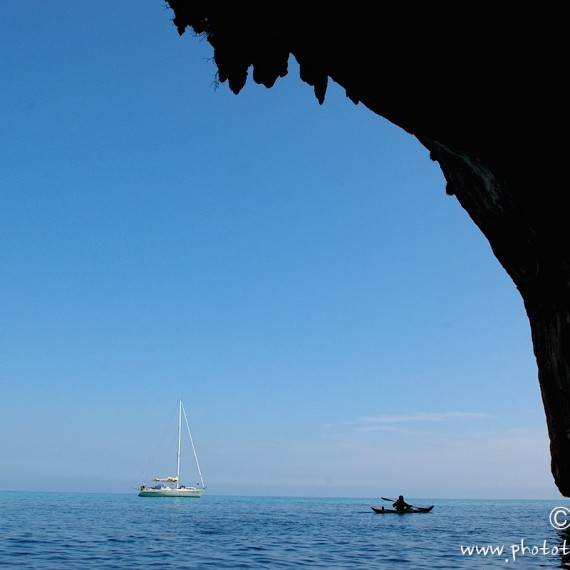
point(183, 492)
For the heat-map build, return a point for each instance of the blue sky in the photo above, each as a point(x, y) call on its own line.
point(334, 322)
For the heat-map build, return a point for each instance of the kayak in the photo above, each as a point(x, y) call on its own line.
point(384, 511)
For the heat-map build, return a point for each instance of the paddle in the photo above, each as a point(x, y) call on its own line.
point(424, 509)
point(394, 500)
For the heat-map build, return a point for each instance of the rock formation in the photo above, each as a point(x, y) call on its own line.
point(481, 90)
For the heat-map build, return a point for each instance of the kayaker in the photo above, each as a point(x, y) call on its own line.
point(401, 505)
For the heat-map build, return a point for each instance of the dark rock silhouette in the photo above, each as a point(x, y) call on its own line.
point(482, 91)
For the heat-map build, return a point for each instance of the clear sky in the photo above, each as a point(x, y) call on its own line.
point(334, 322)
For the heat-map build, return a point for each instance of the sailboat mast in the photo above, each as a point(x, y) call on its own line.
point(178, 454)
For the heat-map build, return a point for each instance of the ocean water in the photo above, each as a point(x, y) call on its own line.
point(59, 531)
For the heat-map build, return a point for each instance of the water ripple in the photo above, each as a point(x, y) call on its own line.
point(116, 532)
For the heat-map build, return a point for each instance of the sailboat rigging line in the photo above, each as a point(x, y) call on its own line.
point(158, 449)
point(192, 443)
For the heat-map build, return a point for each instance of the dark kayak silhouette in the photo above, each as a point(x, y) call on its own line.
point(382, 510)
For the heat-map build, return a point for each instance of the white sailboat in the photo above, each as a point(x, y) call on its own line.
point(170, 486)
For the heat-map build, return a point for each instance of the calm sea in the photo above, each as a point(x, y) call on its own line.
point(59, 531)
